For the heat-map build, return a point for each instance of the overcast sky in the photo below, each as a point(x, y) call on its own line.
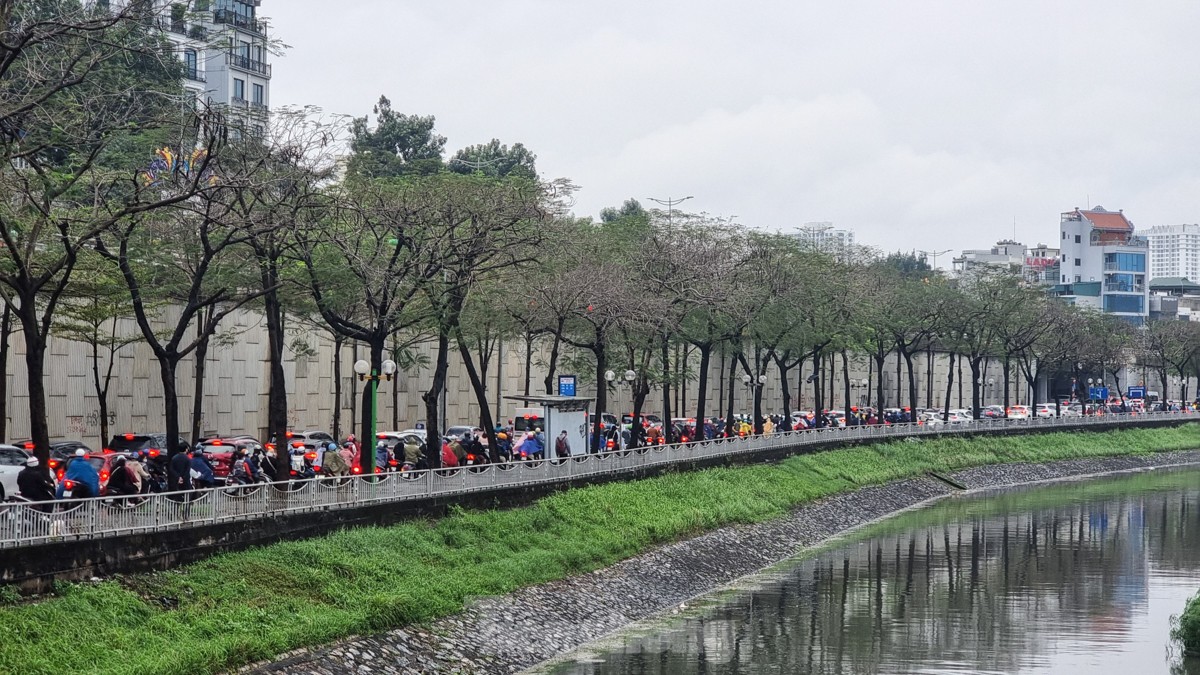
point(927, 125)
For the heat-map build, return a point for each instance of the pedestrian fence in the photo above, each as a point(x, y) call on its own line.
point(29, 524)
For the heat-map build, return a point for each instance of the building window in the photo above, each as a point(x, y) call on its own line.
point(190, 63)
point(258, 94)
point(1125, 262)
point(1077, 239)
point(1064, 236)
point(1078, 278)
point(239, 89)
point(1125, 304)
point(1078, 262)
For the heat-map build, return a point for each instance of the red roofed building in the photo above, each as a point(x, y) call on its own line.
point(1103, 263)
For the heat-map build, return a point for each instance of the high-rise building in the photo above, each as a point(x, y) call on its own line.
point(225, 51)
point(823, 237)
point(1174, 251)
point(1103, 264)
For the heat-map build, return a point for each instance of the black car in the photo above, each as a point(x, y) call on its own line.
point(60, 451)
point(156, 444)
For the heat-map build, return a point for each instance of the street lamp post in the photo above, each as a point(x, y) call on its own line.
point(670, 203)
point(371, 399)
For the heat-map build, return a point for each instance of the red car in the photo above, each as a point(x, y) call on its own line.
point(219, 452)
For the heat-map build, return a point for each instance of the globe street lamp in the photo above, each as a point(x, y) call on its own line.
point(371, 402)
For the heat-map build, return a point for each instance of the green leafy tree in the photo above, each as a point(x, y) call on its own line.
point(495, 160)
point(84, 94)
point(398, 144)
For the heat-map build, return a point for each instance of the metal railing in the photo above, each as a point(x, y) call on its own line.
point(25, 524)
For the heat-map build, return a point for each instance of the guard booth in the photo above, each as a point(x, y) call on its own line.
point(554, 415)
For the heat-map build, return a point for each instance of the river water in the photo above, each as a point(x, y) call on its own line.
point(1070, 578)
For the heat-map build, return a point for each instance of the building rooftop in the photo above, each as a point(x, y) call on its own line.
point(1174, 284)
point(1105, 220)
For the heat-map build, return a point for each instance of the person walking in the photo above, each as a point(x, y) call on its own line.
point(179, 476)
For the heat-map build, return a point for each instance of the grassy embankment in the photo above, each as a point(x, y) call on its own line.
point(241, 607)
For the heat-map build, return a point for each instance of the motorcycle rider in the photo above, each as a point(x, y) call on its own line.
point(504, 447)
point(179, 476)
point(141, 477)
point(35, 484)
point(243, 471)
point(120, 482)
point(460, 453)
point(412, 454)
point(83, 474)
point(381, 456)
point(332, 462)
point(201, 470)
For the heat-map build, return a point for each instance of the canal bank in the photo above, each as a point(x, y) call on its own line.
point(242, 607)
point(505, 634)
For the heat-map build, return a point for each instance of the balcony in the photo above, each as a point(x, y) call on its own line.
point(230, 18)
point(1120, 287)
point(239, 102)
point(194, 75)
point(180, 27)
point(248, 64)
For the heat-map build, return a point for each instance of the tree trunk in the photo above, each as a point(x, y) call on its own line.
point(552, 366)
point(477, 385)
point(1007, 379)
point(975, 377)
point(433, 436)
point(277, 405)
point(929, 376)
point(600, 351)
point(880, 362)
point(702, 391)
point(167, 365)
point(666, 392)
point(949, 390)
point(912, 384)
point(35, 364)
point(5, 331)
point(338, 340)
point(783, 387)
point(528, 360)
point(200, 366)
point(818, 403)
point(846, 384)
point(731, 372)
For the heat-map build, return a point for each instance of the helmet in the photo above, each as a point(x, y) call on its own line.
point(502, 436)
point(347, 444)
point(199, 449)
point(32, 461)
point(80, 452)
point(331, 446)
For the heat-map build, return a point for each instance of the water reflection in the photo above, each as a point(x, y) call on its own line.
point(1079, 578)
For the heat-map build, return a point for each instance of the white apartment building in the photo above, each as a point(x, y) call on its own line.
point(1006, 254)
point(1174, 251)
point(1103, 264)
point(822, 236)
point(225, 52)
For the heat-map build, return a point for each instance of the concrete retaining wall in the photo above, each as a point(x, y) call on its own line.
point(34, 569)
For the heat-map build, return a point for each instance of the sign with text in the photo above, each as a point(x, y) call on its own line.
point(566, 385)
point(1137, 392)
point(1098, 393)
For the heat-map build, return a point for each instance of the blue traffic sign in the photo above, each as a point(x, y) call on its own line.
point(1137, 392)
point(1098, 393)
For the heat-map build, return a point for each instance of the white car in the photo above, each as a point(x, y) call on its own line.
point(12, 461)
point(1018, 412)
